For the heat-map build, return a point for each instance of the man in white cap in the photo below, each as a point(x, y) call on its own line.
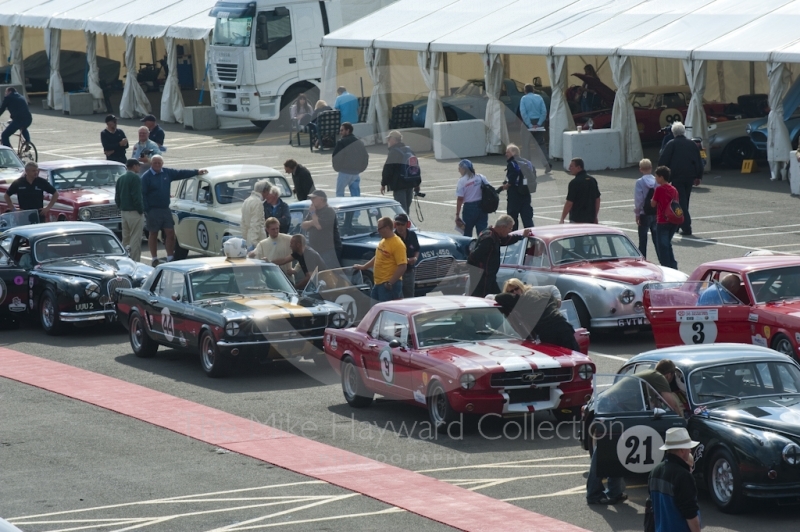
point(673, 491)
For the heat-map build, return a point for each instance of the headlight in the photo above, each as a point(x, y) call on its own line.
point(232, 328)
point(245, 101)
point(92, 290)
point(748, 129)
point(467, 381)
point(791, 454)
point(85, 214)
point(339, 320)
point(627, 296)
point(585, 372)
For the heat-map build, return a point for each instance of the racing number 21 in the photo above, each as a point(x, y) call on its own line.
point(634, 456)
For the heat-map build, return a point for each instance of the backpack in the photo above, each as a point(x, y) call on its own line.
point(410, 173)
point(490, 199)
point(528, 173)
point(647, 208)
point(674, 213)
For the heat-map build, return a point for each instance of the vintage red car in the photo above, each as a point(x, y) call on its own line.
point(455, 355)
point(762, 309)
point(655, 107)
point(597, 267)
point(85, 191)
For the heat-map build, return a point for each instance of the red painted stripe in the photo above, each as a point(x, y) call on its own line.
point(405, 489)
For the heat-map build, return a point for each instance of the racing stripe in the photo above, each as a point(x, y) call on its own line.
point(512, 357)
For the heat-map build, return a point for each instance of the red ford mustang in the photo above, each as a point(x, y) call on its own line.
point(454, 355)
point(762, 306)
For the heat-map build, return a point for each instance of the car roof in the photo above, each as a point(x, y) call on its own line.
point(689, 357)
point(552, 232)
point(753, 263)
point(56, 228)
point(226, 172)
point(73, 163)
point(201, 263)
point(346, 203)
point(420, 305)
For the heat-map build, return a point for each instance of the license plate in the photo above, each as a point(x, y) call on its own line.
point(84, 306)
point(628, 322)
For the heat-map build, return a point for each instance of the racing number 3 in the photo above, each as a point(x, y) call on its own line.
point(700, 337)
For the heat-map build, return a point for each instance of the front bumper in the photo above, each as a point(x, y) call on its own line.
point(231, 344)
point(501, 401)
point(97, 315)
point(780, 491)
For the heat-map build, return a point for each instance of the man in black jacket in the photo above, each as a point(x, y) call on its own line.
point(516, 187)
point(392, 175)
point(303, 184)
point(275, 207)
point(350, 158)
point(682, 156)
point(21, 118)
point(484, 261)
point(672, 487)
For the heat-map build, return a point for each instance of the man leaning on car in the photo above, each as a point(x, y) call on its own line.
point(155, 195)
point(30, 190)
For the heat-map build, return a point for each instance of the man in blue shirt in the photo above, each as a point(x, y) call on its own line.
point(347, 104)
point(714, 295)
point(21, 118)
point(155, 196)
point(533, 111)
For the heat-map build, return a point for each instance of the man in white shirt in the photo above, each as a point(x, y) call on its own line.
point(253, 214)
point(144, 150)
point(275, 246)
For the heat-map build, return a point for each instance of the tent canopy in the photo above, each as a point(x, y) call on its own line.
point(739, 30)
point(39, 15)
point(187, 16)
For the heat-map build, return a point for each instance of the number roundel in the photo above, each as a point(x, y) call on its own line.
point(167, 324)
point(202, 235)
point(668, 116)
point(349, 306)
point(387, 365)
point(638, 449)
point(698, 332)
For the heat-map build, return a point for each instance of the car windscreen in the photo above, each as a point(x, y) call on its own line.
point(77, 245)
point(237, 190)
point(245, 279)
point(748, 379)
point(643, 100)
point(471, 88)
point(462, 325)
point(8, 159)
point(777, 284)
point(357, 222)
point(87, 176)
point(593, 248)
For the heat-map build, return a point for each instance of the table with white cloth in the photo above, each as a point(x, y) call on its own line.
point(599, 148)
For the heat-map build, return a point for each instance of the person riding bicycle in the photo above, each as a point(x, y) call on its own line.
point(21, 118)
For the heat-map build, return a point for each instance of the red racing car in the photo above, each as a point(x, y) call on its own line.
point(759, 305)
point(456, 355)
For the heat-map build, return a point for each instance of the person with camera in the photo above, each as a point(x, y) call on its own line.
point(516, 186)
point(144, 149)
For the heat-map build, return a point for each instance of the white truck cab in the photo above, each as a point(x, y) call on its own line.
point(264, 53)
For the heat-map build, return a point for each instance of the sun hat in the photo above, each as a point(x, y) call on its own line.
point(678, 438)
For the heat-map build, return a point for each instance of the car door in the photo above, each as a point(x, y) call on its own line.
point(182, 211)
point(166, 310)
point(677, 319)
point(629, 424)
point(207, 228)
point(528, 260)
point(14, 286)
point(388, 356)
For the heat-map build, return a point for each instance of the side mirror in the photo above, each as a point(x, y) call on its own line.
point(394, 343)
point(658, 413)
point(176, 296)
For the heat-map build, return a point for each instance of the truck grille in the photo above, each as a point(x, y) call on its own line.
point(517, 378)
point(529, 395)
point(435, 268)
point(117, 282)
point(226, 72)
point(104, 212)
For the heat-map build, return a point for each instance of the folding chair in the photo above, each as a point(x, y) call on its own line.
point(363, 108)
point(327, 129)
point(402, 116)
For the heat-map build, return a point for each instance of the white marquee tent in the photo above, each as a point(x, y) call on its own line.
point(153, 19)
point(692, 31)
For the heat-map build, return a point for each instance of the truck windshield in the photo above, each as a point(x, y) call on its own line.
point(233, 31)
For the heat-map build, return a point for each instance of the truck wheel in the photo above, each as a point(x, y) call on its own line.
point(213, 364)
point(49, 314)
point(143, 346)
point(355, 393)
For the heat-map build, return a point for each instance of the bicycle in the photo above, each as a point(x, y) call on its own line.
point(26, 151)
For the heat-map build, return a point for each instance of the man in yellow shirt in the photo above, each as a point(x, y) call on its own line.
point(389, 264)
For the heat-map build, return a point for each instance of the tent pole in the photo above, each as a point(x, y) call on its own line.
point(105, 44)
point(446, 73)
point(752, 77)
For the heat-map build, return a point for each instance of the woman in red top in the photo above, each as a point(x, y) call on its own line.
point(663, 197)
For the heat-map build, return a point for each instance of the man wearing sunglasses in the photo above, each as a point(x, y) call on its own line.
point(389, 264)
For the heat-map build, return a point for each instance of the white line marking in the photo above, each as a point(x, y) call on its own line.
point(577, 490)
point(727, 215)
point(491, 465)
point(239, 526)
point(612, 357)
point(299, 521)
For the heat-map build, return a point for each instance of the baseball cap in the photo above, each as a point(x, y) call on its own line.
point(318, 194)
point(149, 118)
point(394, 134)
point(401, 218)
point(110, 118)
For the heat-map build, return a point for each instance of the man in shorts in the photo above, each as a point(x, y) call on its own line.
point(155, 195)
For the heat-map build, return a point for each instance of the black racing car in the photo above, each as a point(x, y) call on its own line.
point(63, 272)
point(442, 258)
point(742, 403)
